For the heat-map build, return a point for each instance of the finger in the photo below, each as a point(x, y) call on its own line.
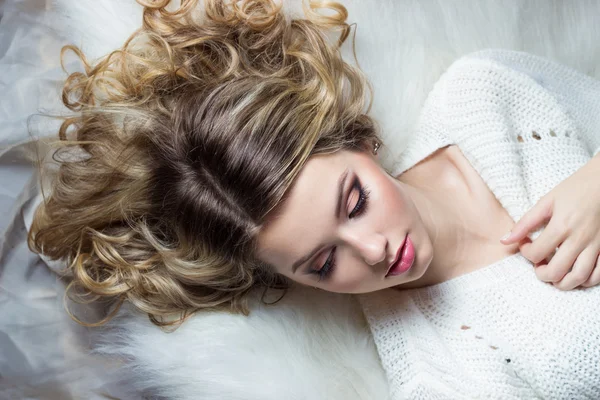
point(544, 245)
point(536, 216)
point(594, 278)
point(581, 271)
point(560, 263)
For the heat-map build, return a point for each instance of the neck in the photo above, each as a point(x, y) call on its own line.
point(449, 230)
point(442, 197)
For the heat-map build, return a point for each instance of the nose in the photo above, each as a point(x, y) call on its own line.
point(372, 247)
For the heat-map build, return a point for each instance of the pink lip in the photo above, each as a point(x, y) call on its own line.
point(405, 261)
point(398, 255)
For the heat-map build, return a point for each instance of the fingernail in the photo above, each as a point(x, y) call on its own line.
point(505, 237)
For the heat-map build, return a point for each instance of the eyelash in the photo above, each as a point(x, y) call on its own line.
point(359, 209)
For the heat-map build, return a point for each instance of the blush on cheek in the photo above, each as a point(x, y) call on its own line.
point(347, 284)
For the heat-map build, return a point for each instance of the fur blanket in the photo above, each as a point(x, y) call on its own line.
point(312, 344)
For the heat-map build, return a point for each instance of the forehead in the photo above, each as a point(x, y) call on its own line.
point(307, 212)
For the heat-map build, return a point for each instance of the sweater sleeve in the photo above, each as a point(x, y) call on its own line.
point(577, 92)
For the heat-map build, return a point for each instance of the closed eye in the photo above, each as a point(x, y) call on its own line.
point(359, 209)
point(361, 204)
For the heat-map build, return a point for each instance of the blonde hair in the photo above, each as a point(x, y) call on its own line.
point(193, 131)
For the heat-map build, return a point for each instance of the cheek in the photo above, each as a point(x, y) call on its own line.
point(390, 198)
point(350, 278)
point(347, 286)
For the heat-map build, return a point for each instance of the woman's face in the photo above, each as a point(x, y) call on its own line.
point(341, 226)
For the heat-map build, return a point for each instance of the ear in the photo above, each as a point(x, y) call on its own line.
point(368, 146)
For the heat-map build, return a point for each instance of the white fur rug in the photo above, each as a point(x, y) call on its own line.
point(312, 344)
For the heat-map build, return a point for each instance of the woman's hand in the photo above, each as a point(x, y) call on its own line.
point(573, 209)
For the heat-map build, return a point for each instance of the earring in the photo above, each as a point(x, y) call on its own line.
point(376, 147)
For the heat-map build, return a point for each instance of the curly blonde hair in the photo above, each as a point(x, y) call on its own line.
point(192, 133)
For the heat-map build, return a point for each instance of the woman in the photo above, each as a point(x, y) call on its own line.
point(232, 151)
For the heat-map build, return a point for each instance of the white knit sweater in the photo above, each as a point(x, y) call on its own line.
point(525, 124)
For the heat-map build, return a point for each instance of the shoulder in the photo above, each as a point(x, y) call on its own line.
point(500, 92)
point(473, 85)
point(500, 69)
point(490, 73)
point(496, 71)
point(503, 61)
point(495, 81)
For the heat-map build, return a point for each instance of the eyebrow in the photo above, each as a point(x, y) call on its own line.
point(341, 184)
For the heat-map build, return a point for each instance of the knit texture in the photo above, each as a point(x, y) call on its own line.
point(525, 124)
